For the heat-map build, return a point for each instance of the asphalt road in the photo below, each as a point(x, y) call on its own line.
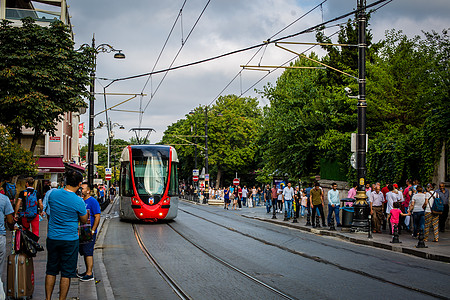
point(259, 261)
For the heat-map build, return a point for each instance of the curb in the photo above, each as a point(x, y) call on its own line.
point(385, 246)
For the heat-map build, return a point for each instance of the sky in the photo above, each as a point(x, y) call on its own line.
point(140, 28)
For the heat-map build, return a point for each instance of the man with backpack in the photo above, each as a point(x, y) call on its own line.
point(29, 206)
point(443, 195)
point(9, 190)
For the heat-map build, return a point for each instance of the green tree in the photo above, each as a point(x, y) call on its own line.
point(233, 124)
point(41, 76)
point(14, 159)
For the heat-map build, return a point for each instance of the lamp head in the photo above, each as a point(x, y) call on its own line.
point(348, 90)
point(119, 55)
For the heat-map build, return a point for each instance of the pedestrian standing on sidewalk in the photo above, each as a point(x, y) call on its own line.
point(288, 196)
point(244, 196)
point(274, 198)
point(67, 209)
point(29, 206)
point(417, 207)
point(431, 219)
point(226, 198)
point(443, 194)
point(253, 201)
point(333, 204)
point(391, 198)
point(87, 250)
point(317, 204)
point(280, 198)
point(7, 211)
point(268, 198)
point(394, 216)
point(308, 197)
point(303, 203)
point(46, 208)
point(239, 189)
point(376, 208)
point(407, 195)
point(352, 192)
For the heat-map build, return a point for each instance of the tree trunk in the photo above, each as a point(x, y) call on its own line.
point(219, 178)
point(36, 136)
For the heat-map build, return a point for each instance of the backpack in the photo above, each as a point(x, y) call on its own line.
point(30, 210)
point(10, 190)
point(438, 206)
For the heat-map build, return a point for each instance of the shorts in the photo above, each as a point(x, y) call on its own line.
point(62, 256)
point(87, 249)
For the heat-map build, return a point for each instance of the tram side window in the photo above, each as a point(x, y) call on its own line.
point(173, 188)
point(125, 180)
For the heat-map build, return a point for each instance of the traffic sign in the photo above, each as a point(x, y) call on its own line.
point(195, 178)
point(108, 171)
point(107, 177)
point(236, 181)
point(206, 177)
point(195, 172)
point(353, 160)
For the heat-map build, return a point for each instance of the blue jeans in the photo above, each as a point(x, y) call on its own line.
point(244, 201)
point(302, 212)
point(288, 207)
point(419, 221)
point(268, 205)
point(334, 209)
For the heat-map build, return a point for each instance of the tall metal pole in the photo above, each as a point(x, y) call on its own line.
point(206, 156)
point(360, 219)
point(91, 120)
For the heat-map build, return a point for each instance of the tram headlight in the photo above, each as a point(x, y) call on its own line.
point(135, 200)
point(166, 201)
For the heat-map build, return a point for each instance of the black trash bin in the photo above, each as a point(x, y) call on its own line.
point(347, 211)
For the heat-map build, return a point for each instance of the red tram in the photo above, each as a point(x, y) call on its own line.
point(148, 183)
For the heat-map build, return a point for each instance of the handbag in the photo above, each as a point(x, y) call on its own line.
point(85, 233)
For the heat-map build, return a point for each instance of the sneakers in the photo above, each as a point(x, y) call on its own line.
point(81, 275)
point(87, 278)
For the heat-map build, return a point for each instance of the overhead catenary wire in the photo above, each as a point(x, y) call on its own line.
point(308, 30)
point(152, 95)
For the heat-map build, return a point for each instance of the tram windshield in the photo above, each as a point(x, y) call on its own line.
point(150, 171)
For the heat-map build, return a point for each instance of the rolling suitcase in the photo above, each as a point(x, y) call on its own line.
point(20, 276)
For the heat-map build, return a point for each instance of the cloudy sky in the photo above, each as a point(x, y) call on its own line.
point(141, 27)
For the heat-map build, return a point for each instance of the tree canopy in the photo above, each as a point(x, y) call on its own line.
point(41, 76)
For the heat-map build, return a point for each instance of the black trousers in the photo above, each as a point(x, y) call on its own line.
point(322, 215)
point(443, 218)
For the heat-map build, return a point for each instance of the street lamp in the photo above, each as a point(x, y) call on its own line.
point(119, 55)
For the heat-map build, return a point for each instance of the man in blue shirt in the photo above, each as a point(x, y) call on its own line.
point(87, 249)
point(5, 210)
point(67, 209)
point(333, 204)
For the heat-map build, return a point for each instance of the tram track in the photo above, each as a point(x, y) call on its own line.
point(169, 280)
point(319, 259)
point(178, 290)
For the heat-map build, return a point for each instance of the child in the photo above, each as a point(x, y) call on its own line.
point(303, 204)
point(394, 215)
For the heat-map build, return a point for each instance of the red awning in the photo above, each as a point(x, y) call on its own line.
point(50, 164)
point(77, 167)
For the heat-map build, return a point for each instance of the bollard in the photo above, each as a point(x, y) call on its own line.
point(421, 243)
point(317, 221)
point(332, 223)
point(308, 216)
point(395, 239)
point(274, 210)
point(369, 220)
point(285, 215)
point(295, 217)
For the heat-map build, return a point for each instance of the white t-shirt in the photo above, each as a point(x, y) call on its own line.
point(419, 200)
point(430, 198)
point(280, 194)
point(244, 193)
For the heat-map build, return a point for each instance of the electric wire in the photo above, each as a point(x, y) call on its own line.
point(308, 30)
point(174, 59)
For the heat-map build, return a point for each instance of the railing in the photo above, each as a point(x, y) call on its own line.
point(193, 197)
point(18, 13)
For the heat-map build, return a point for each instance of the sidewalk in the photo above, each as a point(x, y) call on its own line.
point(439, 251)
point(78, 289)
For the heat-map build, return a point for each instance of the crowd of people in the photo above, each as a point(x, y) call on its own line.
point(409, 208)
point(70, 207)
